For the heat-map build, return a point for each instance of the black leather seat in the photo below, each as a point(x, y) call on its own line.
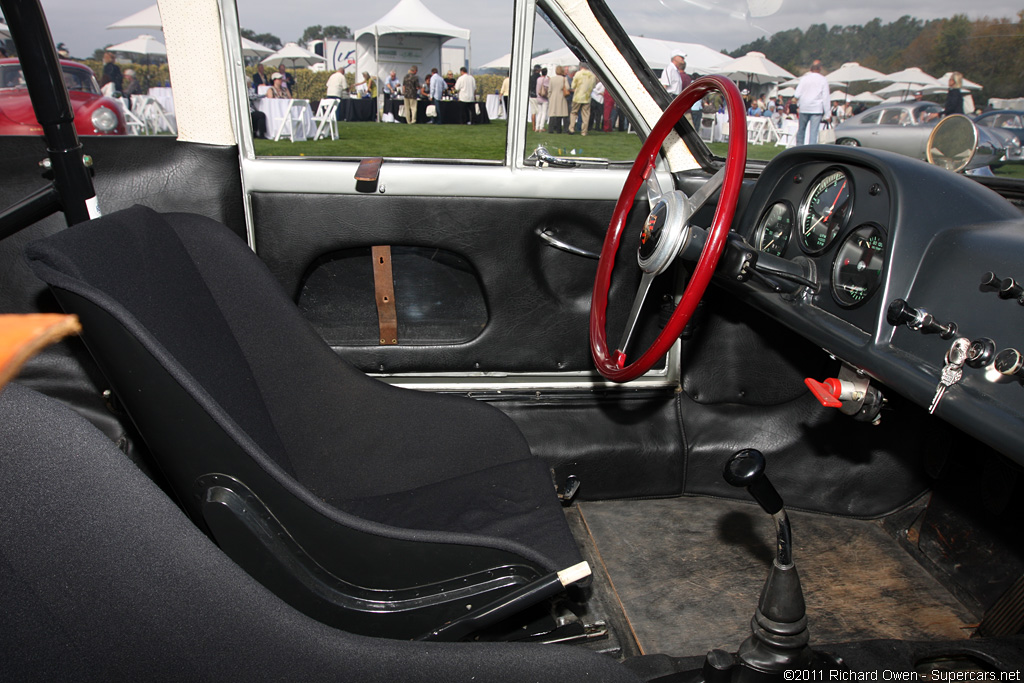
point(375, 509)
point(104, 579)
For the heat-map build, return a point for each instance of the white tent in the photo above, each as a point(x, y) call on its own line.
point(147, 18)
point(143, 45)
point(657, 53)
point(409, 35)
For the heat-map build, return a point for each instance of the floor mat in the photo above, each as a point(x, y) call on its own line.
point(689, 572)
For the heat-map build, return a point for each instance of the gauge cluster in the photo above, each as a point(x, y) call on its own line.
point(837, 217)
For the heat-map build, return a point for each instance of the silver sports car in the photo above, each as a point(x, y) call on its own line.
point(904, 127)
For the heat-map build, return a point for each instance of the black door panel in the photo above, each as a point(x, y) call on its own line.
point(537, 297)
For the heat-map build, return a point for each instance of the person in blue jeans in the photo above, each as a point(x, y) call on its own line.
point(812, 104)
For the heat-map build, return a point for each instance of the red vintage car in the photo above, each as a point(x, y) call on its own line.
point(94, 113)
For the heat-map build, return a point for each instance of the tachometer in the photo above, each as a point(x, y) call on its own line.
point(775, 227)
point(825, 210)
point(857, 271)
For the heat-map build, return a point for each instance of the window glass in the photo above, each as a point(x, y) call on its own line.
point(349, 89)
point(571, 113)
point(872, 117)
point(118, 85)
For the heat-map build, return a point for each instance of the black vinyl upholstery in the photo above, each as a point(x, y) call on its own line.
point(104, 579)
point(222, 375)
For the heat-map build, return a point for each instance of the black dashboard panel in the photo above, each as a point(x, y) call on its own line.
point(931, 236)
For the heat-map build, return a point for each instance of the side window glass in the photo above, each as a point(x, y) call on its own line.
point(403, 80)
point(121, 89)
point(571, 112)
point(871, 118)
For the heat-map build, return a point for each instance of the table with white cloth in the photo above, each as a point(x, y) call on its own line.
point(496, 107)
point(164, 97)
point(278, 108)
point(787, 132)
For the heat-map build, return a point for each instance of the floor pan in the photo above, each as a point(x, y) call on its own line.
point(688, 572)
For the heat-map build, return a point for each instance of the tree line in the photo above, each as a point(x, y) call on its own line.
point(988, 51)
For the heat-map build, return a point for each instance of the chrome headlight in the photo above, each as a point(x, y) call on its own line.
point(104, 120)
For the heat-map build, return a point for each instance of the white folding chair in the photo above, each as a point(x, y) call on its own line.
point(133, 123)
point(152, 113)
point(326, 118)
point(291, 122)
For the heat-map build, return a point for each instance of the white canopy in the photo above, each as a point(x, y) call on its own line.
point(251, 48)
point(909, 76)
point(657, 53)
point(867, 97)
point(409, 35)
point(753, 67)
point(143, 45)
point(292, 55)
point(412, 16)
point(851, 72)
point(147, 18)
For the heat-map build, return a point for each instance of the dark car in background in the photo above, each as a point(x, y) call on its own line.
point(1007, 120)
point(94, 113)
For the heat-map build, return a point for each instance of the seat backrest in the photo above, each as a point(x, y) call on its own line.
point(105, 579)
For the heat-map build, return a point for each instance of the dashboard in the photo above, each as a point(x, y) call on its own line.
point(898, 260)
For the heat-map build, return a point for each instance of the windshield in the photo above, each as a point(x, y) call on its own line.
point(76, 79)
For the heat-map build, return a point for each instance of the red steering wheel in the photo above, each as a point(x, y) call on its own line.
point(667, 232)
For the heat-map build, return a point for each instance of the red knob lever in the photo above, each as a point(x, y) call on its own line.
point(828, 392)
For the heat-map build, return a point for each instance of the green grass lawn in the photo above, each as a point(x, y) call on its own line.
point(368, 139)
point(363, 139)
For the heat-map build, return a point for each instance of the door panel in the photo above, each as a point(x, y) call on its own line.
point(537, 297)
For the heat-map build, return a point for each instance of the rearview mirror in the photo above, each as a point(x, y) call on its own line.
point(952, 143)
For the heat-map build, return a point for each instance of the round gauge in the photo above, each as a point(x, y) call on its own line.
point(775, 228)
point(857, 271)
point(825, 210)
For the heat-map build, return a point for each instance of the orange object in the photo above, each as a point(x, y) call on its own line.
point(23, 336)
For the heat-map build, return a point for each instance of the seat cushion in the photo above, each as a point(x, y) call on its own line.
point(105, 579)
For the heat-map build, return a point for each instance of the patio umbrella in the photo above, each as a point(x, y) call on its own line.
point(852, 72)
point(753, 67)
point(943, 84)
point(503, 62)
point(147, 18)
point(5, 33)
point(838, 96)
point(787, 92)
point(908, 77)
point(867, 98)
point(292, 55)
point(254, 49)
point(143, 45)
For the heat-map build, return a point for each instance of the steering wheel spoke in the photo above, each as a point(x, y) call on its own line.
point(706, 191)
point(667, 231)
point(634, 314)
point(654, 191)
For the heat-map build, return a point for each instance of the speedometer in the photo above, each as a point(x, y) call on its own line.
point(825, 210)
point(857, 271)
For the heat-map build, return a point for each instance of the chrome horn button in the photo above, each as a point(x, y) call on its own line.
point(666, 232)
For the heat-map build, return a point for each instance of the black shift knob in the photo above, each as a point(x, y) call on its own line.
point(746, 469)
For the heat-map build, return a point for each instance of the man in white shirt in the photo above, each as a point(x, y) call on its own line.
point(337, 86)
point(672, 76)
point(812, 104)
point(465, 88)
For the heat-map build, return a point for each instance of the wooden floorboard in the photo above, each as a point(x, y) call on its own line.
point(689, 572)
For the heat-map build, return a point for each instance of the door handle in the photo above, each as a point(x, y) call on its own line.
point(548, 236)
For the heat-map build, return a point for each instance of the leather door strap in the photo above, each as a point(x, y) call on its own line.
point(384, 293)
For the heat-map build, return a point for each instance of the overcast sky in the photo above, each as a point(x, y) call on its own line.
point(81, 25)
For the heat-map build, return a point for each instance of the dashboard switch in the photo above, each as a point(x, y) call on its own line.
point(1010, 288)
point(981, 352)
point(918, 319)
point(1010, 363)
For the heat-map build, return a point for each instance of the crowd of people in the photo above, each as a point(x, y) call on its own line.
point(572, 102)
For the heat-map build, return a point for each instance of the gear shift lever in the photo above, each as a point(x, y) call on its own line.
point(779, 635)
